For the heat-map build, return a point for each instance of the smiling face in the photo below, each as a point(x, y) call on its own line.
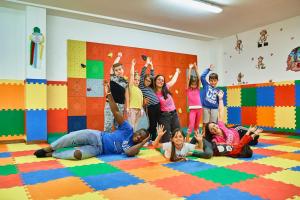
point(178, 138)
point(136, 80)
point(119, 71)
point(147, 81)
point(159, 81)
point(139, 136)
point(214, 129)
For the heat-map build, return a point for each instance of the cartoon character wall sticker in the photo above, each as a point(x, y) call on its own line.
point(293, 60)
point(263, 39)
point(36, 47)
point(260, 64)
point(239, 78)
point(238, 45)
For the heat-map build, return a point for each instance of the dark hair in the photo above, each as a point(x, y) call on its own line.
point(194, 79)
point(143, 131)
point(116, 65)
point(151, 78)
point(173, 156)
point(208, 134)
point(213, 76)
point(164, 89)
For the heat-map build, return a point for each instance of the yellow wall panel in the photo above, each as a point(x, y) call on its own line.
point(36, 96)
point(284, 83)
point(76, 57)
point(234, 97)
point(285, 117)
point(57, 96)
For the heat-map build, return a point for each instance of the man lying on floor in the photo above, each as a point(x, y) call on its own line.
point(89, 143)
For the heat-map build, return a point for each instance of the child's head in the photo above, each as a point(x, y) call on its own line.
point(213, 79)
point(177, 139)
point(194, 82)
point(148, 80)
point(118, 69)
point(136, 80)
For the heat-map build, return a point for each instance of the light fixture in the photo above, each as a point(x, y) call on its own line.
point(206, 6)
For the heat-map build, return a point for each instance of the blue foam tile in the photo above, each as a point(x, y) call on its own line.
point(111, 180)
point(255, 156)
point(297, 152)
point(297, 94)
point(265, 96)
point(76, 123)
point(267, 128)
point(189, 166)
point(36, 125)
point(44, 175)
point(113, 157)
point(34, 81)
point(223, 193)
point(234, 115)
point(5, 155)
point(263, 145)
point(94, 88)
point(297, 168)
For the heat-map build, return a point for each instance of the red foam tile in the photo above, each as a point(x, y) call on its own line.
point(22, 153)
point(57, 121)
point(185, 185)
point(281, 94)
point(267, 189)
point(76, 87)
point(77, 106)
point(95, 105)
point(254, 168)
point(267, 152)
point(275, 142)
point(132, 163)
point(95, 122)
point(248, 115)
point(11, 180)
point(43, 165)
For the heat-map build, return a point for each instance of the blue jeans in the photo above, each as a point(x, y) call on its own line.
point(89, 142)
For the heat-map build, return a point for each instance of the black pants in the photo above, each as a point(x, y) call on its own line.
point(153, 112)
point(207, 149)
point(170, 121)
point(242, 131)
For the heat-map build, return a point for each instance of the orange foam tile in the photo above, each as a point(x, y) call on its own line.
point(95, 122)
point(57, 188)
point(265, 116)
point(12, 96)
point(132, 163)
point(3, 147)
point(6, 161)
point(76, 106)
point(291, 156)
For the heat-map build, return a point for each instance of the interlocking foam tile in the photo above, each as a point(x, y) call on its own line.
point(11, 122)
point(267, 152)
point(220, 161)
point(223, 175)
point(286, 176)
point(265, 96)
point(22, 153)
point(22, 147)
point(248, 96)
point(234, 115)
point(283, 83)
point(57, 188)
point(297, 94)
point(262, 145)
point(73, 163)
point(94, 69)
point(132, 164)
point(57, 96)
point(76, 56)
point(223, 193)
point(233, 97)
point(298, 119)
point(42, 165)
point(76, 106)
point(85, 196)
point(189, 166)
point(265, 116)
point(157, 159)
point(93, 169)
point(12, 96)
point(224, 89)
point(278, 162)
point(95, 88)
point(3, 148)
point(285, 117)
point(8, 169)
point(293, 144)
point(13, 193)
point(248, 115)
point(154, 172)
point(5, 155)
point(254, 157)
point(36, 125)
point(30, 159)
point(76, 87)
point(95, 122)
point(57, 121)
point(182, 185)
point(291, 156)
point(11, 180)
point(294, 198)
point(114, 157)
point(281, 94)
point(95, 105)
point(283, 148)
point(35, 96)
point(111, 180)
point(269, 141)
point(76, 123)
point(148, 153)
point(267, 189)
point(295, 168)
point(143, 191)
point(254, 168)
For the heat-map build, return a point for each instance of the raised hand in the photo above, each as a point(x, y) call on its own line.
point(106, 87)
point(198, 137)
point(221, 94)
point(191, 66)
point(133, 62)
point(178, 70)
point(160, 130)
point(119, 54)
point(211, 67)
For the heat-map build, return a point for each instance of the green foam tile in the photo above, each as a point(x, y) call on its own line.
point(289, 130)
point(297, 81)
point(294, 136)
point(11, 122)
point(94, 69)
point(248, 96)
point(94, 169)
point(298, 117)
point(54, 136)
point(223, 175)
point(8, 169)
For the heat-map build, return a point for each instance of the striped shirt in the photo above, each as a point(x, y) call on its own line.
point(148, 91)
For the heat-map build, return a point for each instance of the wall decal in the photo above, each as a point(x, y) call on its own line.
point(36, 47)
point(260, 64)
point(263, 39)
point(238, 45)
point(293, 60)
point(239, 78)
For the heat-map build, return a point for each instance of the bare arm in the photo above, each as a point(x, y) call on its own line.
point(116, 61)
point(189, 75)
point(134, 150)
point(197, 74)
point(133, 62)
point(174, 78)
point(221, 106)
point(127, 97)
point(160, 132)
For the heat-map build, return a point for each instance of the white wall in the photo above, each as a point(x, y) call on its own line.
point(60, 29)
point(12, 44)
point(280, 45)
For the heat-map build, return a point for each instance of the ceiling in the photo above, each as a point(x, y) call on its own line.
point(171, 17)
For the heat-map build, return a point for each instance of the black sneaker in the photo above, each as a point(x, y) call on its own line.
point(41, 153)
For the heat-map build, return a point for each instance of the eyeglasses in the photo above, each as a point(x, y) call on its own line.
point(160, 79)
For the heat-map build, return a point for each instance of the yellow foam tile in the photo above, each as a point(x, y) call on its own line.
point(220, 161)
point(36, 96)
point(12, 82)
point(294, 198)
point(225, 118)
point(160, 159)
point(22, 147)
point(72, 163)
point(286, 176)
point(285, 117)
point(13, 193)
point(282, 148)
point(269, 137)
point(76, 56)
point(85, 196)
point(148, 153)
point(234, 97)
point(31, 159)
point(278, 162)
point(57, 96)
point(284, 83)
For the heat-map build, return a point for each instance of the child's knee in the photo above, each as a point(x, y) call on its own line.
point(78, 154)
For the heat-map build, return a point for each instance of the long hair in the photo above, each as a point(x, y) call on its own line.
point(173, 156)
point(164, 89)
point(208, 134)
point(151, 78)
point(194, 79)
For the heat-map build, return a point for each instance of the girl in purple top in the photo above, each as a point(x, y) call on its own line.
point(194, 102)
point(168, 116)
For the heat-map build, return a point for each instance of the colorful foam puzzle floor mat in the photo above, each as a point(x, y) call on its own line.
point(272, 173)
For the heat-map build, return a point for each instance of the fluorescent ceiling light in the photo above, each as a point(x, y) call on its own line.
point(203, 5)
